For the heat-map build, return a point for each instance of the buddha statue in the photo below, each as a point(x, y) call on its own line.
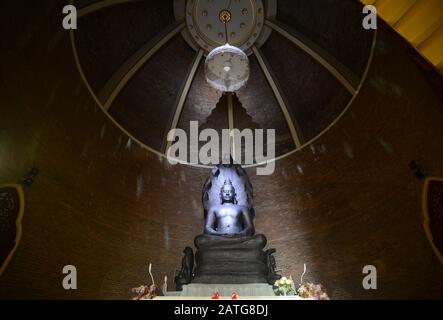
point(228, 219)
point(228, 251)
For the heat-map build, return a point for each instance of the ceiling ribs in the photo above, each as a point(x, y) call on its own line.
point(99, 5)
point(181, 97)
point(345, 76)
point(130, 67)
point(231, 124)
point(279, 96)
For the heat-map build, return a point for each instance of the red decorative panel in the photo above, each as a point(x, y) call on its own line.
point(11, 213)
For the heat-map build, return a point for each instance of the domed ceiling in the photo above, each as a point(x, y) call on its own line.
point(143, 62)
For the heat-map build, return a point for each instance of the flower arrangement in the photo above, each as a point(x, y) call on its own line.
point(145, 292)
point(306, 290)
point(284, 287)
point(309, 290)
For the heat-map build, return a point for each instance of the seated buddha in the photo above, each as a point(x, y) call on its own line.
point(229, 251)
point(228, 219)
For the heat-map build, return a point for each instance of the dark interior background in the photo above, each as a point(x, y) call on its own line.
point(108, 206)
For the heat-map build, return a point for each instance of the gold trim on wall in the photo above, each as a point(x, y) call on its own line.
point(231, 124)
point(97, 6)
point(426, 219)
point(18, 222)
point(279, 96)
point(181, 98)
point(420, 22)
point(127, 71)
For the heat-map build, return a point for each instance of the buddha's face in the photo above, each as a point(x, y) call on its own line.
point(228, 194)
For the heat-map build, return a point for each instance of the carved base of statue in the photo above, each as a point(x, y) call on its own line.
point(230, 260)
point(185, 275)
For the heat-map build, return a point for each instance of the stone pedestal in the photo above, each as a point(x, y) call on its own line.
point(224, 260)
point(225, 290)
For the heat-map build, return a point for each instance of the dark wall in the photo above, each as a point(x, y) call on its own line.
point(106, 38)
point(109, 207)
point(350, 199)
point(334, 25)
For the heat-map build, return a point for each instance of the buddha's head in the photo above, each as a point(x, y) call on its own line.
point(227, 192)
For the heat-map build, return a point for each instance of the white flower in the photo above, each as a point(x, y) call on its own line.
point(324, 296)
